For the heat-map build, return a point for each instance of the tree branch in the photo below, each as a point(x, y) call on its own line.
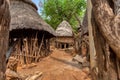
point(78, 19)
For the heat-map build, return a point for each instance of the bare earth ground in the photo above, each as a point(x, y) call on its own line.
point(57, 66)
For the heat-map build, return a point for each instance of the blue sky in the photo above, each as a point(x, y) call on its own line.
point(37, 3)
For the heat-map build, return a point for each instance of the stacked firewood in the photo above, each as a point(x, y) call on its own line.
point(12, 64)
point(12, 73)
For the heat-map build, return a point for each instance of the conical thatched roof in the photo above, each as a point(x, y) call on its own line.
point(64, 29)
point(24, 17)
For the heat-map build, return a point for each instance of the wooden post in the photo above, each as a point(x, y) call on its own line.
point(48, 45)
point(56, 44)
point(69, 44)
point(40, 48)
point(64, 46)
point(91, 39)
point(4, 35)
point(60, 45)
point(45, 46)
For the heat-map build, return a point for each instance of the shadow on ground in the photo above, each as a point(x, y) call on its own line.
point(73, 64)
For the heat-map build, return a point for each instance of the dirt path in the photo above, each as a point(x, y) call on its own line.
point(58, 66)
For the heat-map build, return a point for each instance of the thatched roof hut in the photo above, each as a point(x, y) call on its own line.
point(64, 36)
point(29, 34)
point(64, 29)
point(26, 21)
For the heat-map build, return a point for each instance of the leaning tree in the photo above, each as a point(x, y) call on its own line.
point(4, 35)
point(105, 20)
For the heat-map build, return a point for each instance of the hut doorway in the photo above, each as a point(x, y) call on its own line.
point(67, 45)
point(63, 46)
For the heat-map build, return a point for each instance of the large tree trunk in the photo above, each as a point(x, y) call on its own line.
point(108, 18)
point(4, 35)
point(106, 31)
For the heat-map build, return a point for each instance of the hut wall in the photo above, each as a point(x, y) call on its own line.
point(30, 30)
point(30, 50)
point(64, 42)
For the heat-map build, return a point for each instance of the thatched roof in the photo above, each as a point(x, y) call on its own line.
point(64, 29)
point(24, 16)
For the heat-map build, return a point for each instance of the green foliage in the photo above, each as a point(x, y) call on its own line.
point(55, 11)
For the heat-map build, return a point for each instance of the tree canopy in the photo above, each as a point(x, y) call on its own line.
point(55, 11)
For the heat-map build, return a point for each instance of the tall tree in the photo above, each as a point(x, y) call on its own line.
point(4, 35)
point(56, 11)
point(106, 29)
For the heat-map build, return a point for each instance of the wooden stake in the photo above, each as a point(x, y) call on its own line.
point(39, 51)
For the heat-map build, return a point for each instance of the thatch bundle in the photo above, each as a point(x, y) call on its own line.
point(28, 32)
point(64, 29)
